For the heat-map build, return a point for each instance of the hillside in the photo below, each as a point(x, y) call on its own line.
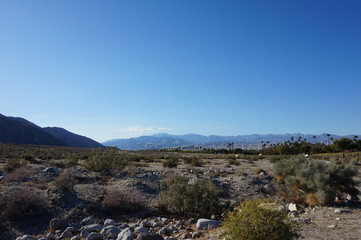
point(20, 130)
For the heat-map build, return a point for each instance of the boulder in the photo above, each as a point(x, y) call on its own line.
point(145, 236)
point(110, 232)
point(50, 236)
point(58, 224)
point(126, 234)
point(92, 228)
point(292, 207)
point(88, 221)
point(205, 224)
point(95, 236)
point(109, 222)
point(68, 233)
point(141, 230)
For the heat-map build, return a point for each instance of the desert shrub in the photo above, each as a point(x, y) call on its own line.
point(258, 220)
point(18, 174)
point(274, 159)
point(233, 161)
point(172, 162)
point(117, 200)
point(65, 182)
point(22, 202)
point(200, 199)
point(314, 182)
point(106, 161)
point(194, 161)
point(12, 164)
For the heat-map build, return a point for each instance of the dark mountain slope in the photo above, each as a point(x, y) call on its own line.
point(72, 139)
point(14, 130)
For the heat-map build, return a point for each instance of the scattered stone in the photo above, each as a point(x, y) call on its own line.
point(88, 221)
point(205, 224)
point(141, 230)
point(126, 234)
point(68, 233)
point(51, 170)
point(196, 235)
point(144, 236)
point(331, 226)
point(110, 232)
point(292, 207)
point(50, 236)
point(58, 224)
point(339, 211)
point(26, 237)
point(109, 222)
point(76, 238)
point(95, 236)
point(92, 228)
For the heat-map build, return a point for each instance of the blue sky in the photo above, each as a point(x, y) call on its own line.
point(119, 69)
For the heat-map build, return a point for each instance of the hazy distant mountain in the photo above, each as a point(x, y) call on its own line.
point(165, 140)
point(19, 130)
point(147, 142)
point(72, 139)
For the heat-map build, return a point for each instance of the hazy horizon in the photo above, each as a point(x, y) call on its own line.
point(121, 69)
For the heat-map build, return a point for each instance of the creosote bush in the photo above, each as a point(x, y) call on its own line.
point(172, 162)
point(314, 182)
point(119, 201)
point(106, 160)
point(65, 182)
point(259, 220)
point(22, 202)
point(194, 161)
point(199, 199)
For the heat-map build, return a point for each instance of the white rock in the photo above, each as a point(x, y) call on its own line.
point(292, 207)
point(92, 228)
point(95, 236)
point(205, 224)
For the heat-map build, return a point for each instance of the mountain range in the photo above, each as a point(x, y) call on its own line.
point(164, 140)
point(20, 130)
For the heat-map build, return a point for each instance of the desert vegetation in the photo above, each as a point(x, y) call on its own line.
point(72, 184)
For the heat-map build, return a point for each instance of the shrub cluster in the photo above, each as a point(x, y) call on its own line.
point(314, 182)
point(259, 220)
point(117, 201)
point(65, 182)
point(194, 161)
point(106, 161)
point(22, 202)
point(200, 199)
point(171, 162)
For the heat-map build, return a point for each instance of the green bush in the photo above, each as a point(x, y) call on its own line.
point(106, 161)
point(194, 161)
point(258, 220)
point(314, 182)
point(200, 199)
point(233, 161)
point(171, 162)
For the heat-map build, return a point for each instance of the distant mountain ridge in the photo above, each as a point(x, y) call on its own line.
point(20, 130)
point(165, 140)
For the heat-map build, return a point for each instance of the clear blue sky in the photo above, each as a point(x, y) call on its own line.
point(119, 69)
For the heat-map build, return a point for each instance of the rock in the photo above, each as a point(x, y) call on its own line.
point(51, 170)
point(339, 211)
point(92, 228)
point(88, 221)
point(109, 222)
point(144, 236)
point(331, 226)
point(95, 236)
point(84, 234)
point(26, 237)
point(145, 224)
point(75, 238)
point(196, 235)
point(167, 230)
point(205, 224)
point(58, 224)
point(292, 207)
point(68, 233)
point(126, 234)
point(50, 236)
point(141, 230)
point(110, 232)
